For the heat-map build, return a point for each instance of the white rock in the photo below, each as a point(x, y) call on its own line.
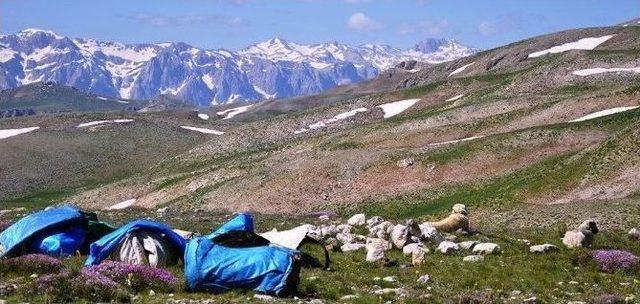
point(349, 297)
point(400, 236)
point(324, 218)
point(542, 248)
point(634, 233)
point(473, 258)
point(390, 279)
point(486, 248)
point(374, 220)
point(344, 228)
point(448, 247)
point(467, 245)
point(329, 231)
point(431, 234)
point(382, 230)
point(424, 279)
point(152, 293)
point(410, 248)
point(418, 257)
point(345, 238)
point(376, 249)
point(384, 291)
point(352, 247)
point(357, 220)
point(263, 297)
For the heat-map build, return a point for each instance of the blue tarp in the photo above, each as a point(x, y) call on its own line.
point(242, 222)
point(31, 231)
point(102, 248)
point(216, 268)
point(63, 243)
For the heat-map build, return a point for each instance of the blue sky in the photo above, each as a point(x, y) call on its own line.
point(234, 24)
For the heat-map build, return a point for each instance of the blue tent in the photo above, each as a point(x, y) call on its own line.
point(102, 248)
point(57, 231)
point(215, 267)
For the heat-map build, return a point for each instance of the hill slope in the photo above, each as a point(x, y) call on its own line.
point(494, 130)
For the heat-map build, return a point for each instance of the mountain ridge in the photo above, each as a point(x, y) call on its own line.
point(275, 68)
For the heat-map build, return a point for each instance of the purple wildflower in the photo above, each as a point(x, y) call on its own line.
point(30, 263)
point(607, 299)
point(66, 286)
point(138, 277)
point(612, 260)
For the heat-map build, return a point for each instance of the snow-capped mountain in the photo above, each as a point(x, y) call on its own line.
point(272, 69)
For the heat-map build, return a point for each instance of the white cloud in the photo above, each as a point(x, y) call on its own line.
point(487, 28)
point(361, 22)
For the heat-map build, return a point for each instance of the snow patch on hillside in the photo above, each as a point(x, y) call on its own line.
point(230, 113)
point(582, 44)
point(123, 205)
point(324, 123)
point(100, 122)
point(13, 132)
point(456, 141)
point(594, 71)
point(203, 130)
point(454, 98)
point(604, 113)
point(461, 69)
point(203, 116)
point(394, 108)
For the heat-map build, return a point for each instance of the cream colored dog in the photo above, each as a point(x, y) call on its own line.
point(455, 221)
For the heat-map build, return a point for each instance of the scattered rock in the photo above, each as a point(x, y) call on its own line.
point(344, 228)
point(376, 249)
point(324, 218)
point(374, 220)
point(349, 297)
point(400, 236)
point(345, 238)
point(382, 230)
point(357, 220)
point(542, 248)
point(351, 247)
point(486, 248)
point(264, 297)
point(530, 300)
point(473, 258)
point(431, 234)
point(410, 248)
point(418, 256)
point(424, 279)
point(467, 245)
point(634, 233)
point(447, 247)
point(384, 291)
point(390, 279)
point(407, 162)
point(152, 293)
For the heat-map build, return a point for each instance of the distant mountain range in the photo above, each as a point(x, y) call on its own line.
point(272, 69)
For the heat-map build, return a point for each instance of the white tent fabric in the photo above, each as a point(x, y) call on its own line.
point(288, 238)
point(146, 248)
